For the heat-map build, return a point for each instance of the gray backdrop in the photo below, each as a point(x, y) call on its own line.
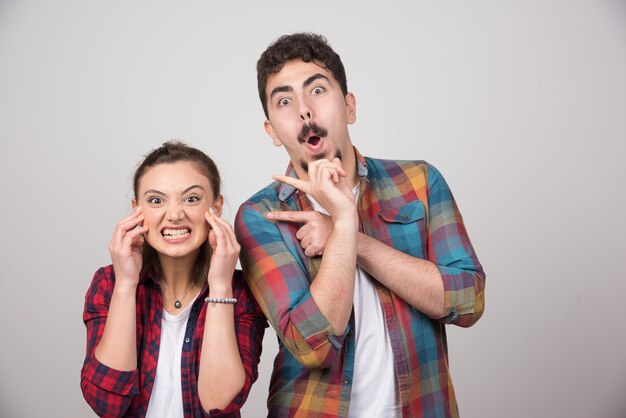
point(521, 104)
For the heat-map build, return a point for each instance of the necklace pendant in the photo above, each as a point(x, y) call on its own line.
point(177, 304)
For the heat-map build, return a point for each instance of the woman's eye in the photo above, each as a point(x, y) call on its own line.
point(284, 101)
point(155, 200)
point(192, 199)
point(318, 90)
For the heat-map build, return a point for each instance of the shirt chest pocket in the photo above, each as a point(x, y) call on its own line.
point(406, 228)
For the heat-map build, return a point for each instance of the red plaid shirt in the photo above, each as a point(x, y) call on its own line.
point(114, 393)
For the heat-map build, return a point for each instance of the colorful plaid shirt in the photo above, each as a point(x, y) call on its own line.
point(404, 204)
point(114, 393)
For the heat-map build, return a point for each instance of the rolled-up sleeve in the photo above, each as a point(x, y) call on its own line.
point(109, 392)
point(280, 283)
point(450, 249)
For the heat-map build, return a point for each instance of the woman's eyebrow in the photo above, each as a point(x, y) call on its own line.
point(154, 191)
point(192, 187)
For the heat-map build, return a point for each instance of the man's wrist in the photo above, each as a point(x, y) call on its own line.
point(346, 224)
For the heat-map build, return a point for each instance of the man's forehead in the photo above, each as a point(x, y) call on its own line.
point(295, 72)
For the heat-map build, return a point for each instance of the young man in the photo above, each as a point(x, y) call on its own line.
point(358, 263)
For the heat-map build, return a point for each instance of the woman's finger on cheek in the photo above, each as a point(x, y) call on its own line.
point(138, 241)
point(125, 226)
point(212, 239)
point(229, 234)
point(131, 235)
point(218, 231)
point(209, 218)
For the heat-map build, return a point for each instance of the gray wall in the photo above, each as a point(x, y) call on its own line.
point(522, 105)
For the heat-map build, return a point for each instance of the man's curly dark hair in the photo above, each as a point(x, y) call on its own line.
point(307, 47)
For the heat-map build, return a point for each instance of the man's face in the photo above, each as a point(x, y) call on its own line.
point(308, 114)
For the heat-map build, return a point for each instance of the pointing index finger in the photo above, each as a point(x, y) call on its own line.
point(301, 185)
point(291, 216)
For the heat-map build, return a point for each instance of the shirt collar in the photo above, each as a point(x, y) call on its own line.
point(285, 191)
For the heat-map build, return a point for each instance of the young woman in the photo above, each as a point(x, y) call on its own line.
point(172, 330)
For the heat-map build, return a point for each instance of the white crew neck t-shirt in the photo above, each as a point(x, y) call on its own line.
point(166, 400)
point(374, 388)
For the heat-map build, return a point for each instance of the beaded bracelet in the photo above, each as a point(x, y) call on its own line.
point(213, 301)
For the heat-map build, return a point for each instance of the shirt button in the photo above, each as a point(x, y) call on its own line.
point(188, 409)
point(187, 339)
point(346, 381)
point(185, 375)
point(350, 333)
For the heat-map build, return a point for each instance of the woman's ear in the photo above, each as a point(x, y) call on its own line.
point(218, 205)
point(134, 203)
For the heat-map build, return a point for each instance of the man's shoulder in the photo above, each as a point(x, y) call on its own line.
point(266, 199)
point(377, 166)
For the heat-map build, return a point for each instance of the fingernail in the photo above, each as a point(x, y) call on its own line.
point(211, 211)
point(138, 208)
point(270, 215)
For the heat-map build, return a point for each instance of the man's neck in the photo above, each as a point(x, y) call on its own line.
point(348, 162)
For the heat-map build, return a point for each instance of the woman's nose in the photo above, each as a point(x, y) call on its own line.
point(174, 213)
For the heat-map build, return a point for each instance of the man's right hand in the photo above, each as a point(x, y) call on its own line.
point(313, 233)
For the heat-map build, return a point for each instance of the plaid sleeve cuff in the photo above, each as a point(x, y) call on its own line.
point(125, 383)
point(463, 296)
point(311, 324)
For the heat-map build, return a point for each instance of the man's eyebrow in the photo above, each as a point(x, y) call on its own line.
point(314, 77)
point(307, 82)
point(280, 89)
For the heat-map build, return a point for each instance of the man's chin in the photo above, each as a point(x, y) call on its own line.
point(322, 155)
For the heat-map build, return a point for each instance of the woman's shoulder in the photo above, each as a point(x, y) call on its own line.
point(104, 278)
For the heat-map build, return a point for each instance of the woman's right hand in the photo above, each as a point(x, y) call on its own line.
point(125, 248)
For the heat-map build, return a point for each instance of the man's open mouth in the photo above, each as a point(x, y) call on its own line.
point(313, 140)
point(311, 134)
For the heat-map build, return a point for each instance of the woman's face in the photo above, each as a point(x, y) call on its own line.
point(174, 198)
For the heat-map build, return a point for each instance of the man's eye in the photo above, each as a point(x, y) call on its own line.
point(155, 200)
point(318, 90)
point(192, 199)
point(284, 101)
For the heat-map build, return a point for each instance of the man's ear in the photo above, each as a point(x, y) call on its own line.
point(270, 131)
point(351, 108)
point(218, 205)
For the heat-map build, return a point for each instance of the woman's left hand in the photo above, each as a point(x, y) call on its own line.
point(225, 253)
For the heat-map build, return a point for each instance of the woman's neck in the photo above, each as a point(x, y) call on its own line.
point(178, 272)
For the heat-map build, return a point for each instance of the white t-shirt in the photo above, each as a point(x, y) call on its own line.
point(374, 388)
point(166, 400)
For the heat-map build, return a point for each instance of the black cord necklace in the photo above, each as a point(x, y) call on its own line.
point(177, 302)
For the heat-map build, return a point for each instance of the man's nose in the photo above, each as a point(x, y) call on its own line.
point(305, 111)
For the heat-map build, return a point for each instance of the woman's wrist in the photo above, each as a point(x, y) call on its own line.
point(220, 290)
point(125, 287)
